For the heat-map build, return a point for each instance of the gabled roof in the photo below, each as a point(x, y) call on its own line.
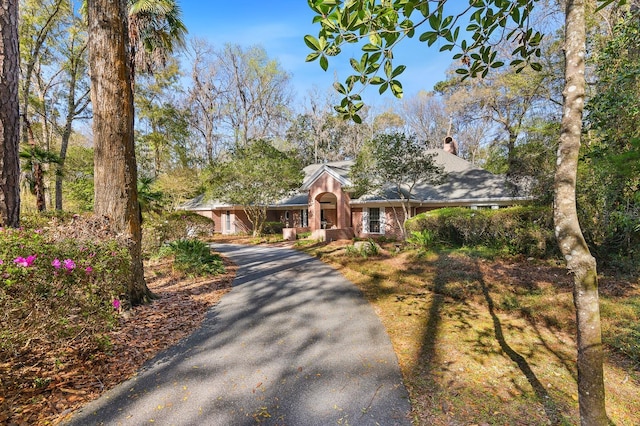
point(339, 170)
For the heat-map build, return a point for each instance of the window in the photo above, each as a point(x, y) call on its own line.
point(227, 222)
point(304, 218)
point(373, 220)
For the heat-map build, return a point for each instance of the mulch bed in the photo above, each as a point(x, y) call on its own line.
point(44, 384)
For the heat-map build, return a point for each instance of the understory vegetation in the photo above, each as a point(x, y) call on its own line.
point(523, 230)
point(161, 229)
point(63, 292)
point(527, 231)
point(193, 257)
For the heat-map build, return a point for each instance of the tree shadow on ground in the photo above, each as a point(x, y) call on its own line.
point(550, 406)
point(293, 343)
point(456, 285)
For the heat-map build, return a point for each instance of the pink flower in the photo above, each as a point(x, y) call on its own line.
point(38, 231)
point(56, 263)
point(69, 264)
point(88, 270)
point(116, 304)
point(25, 262)
point(1, 261)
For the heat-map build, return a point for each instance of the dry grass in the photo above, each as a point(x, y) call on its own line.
point(488, 342)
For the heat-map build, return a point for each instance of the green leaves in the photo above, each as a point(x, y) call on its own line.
point(312, 42)
point(380, 26)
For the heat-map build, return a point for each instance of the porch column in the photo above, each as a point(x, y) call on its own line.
point(314, 213)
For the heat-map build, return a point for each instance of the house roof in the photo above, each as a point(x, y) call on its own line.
point(202, 203)
point(339, 170)
point(464, 183)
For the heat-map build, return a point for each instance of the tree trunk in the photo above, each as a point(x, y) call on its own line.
point(66, 132)
point(75, 106)
point(36, 168)
point(38, 179)
point(29, 66)
point(569, 235)
point(64, 145)
point(115, 174)
point(9, 116)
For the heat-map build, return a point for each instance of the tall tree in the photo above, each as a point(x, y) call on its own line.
point(320, 134)
point(162, 128)
point(115, 176)
point(427, 118)
point(394, 164)
point(9, 116)
point(256, 176)
point(40, 21)
point(506, 100)
point(204, 97)
point(610, 192)
point(385, 24)
point(76, 94)
point(572, 244)
point(255, 93)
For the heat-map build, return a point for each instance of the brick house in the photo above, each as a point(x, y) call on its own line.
point(326, 206)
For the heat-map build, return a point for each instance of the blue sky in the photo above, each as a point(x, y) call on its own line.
point(280, 27)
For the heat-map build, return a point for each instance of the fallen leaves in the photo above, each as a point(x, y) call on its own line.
point(45, 382)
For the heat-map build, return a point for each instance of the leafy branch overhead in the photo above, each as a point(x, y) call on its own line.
point(379, 26)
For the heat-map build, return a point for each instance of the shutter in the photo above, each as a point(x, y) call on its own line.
point(383, 221)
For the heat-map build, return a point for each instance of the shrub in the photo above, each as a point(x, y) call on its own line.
point(272, 228)
point(517, 230)
point(158, 230)
point(195, 257)
point(423, 238)
point(363, 249)
point(53, 287)
point(303, 235)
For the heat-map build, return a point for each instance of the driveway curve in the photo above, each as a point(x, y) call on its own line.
point(293, 343)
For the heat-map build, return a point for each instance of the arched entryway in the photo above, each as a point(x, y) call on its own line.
point(329, 210)
point(327, 203)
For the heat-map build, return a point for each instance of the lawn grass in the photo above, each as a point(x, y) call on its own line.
point(491, 341)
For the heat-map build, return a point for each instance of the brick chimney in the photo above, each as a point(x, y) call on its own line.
point(450, 145)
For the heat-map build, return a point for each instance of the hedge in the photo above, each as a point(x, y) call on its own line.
point(526, 230)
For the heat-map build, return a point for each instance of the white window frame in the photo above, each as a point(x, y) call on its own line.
point(304, 218)
point(366, 223)
point(228, 222)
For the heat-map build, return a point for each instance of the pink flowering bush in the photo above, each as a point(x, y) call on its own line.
point(25, 262)
point(65, 286)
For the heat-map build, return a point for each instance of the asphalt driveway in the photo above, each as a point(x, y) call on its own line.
point(293, 343)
